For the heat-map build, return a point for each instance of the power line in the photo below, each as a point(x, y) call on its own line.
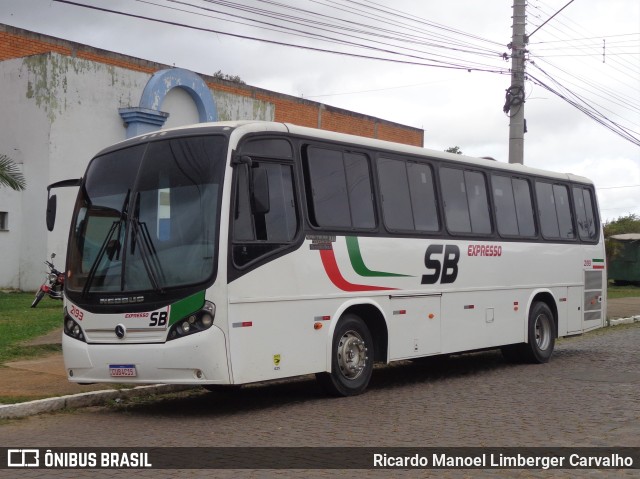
point(630, 70)
point(622, 103)
point(582, 105)
point(383, 47)
point(567, 40)
point(427, 61)
point(552, 16)
point(399, 28)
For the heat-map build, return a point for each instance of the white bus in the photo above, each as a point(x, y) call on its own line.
point(232, 253)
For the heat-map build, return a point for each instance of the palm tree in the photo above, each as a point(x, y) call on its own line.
point(9, 174)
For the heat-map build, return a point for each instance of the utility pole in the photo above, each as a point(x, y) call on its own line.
point(514, 104)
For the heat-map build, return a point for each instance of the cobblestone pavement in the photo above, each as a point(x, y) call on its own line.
point(587, 395)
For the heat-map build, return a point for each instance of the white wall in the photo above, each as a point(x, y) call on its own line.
point(24, 137)
point(57, 112)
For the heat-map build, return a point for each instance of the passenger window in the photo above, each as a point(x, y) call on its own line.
point(506, 217)
point(565, 222)
point(554, 211)
point(408, 195)
point(339, 189)
point(394, 190)
point(524, 207)
point(514, 210)
point(585, 217)
point(466, 206)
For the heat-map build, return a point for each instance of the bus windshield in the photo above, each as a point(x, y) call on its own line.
point(146, 217)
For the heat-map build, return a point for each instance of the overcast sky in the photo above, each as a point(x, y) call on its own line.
point(455, 107)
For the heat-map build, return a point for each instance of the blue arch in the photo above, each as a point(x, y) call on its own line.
point(147, 117)
point(163, 81)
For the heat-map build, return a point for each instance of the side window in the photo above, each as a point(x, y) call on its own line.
point(408, 195)
point(554, 211)
point(524, 207)
point(339, 189)
point(257, 234)
point(565, 221)
point(506, 217)
point(466, 206)
point(585, 216)
point(514, 210)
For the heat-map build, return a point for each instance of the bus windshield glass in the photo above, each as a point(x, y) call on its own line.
point(146, 217)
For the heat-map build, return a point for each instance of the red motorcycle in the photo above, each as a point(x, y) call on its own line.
point(53, 284)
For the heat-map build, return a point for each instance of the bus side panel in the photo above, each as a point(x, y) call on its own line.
point(277, 339)
point(414, 326)
point(482, 319)
point(574, 307)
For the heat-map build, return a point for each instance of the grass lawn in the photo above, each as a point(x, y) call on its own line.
point(627, 291)
point(19, 323)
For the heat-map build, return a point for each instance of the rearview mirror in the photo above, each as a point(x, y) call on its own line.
point(52, 201)
point(260, 181)
point(52, 205)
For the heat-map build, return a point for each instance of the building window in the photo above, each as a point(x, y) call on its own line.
point(4, 221)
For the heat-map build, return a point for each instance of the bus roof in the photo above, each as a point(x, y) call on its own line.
point(255, 126)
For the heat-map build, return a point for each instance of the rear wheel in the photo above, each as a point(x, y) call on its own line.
point(351, 358)
point(542, 337)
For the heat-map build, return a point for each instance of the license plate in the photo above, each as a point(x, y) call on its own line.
point(122, 370)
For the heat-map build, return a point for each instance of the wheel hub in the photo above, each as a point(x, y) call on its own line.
point(352, 355)
point(542, 329)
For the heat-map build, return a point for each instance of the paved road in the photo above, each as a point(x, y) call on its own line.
point(588, 395)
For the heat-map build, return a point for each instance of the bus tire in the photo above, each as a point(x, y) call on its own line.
point(542, 336)
point(541, 328)
point(351, 358)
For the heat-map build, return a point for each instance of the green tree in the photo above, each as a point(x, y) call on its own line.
point(622, 225)
point(10, 175)
point(454, 149)
point(224, 76)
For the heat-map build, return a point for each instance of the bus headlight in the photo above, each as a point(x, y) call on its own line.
point(73, 329)
point(194, 322)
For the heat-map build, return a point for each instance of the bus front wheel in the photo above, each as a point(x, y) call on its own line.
point(539, 347)
point(351, 358)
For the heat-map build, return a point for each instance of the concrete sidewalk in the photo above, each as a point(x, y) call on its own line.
point(30, 382)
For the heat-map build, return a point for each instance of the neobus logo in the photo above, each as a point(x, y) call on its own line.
point(444, 269)
point(125, 300)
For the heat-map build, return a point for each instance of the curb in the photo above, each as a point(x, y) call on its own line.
point(630, 320)
point(92, 398)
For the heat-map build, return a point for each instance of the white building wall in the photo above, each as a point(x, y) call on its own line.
point(57, 112)
point(24, 137)
point(10, 203)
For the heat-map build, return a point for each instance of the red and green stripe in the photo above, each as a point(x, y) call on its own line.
point(357, 263)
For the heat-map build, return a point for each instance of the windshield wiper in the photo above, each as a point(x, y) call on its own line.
point(115, 226)
point(148, 252)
